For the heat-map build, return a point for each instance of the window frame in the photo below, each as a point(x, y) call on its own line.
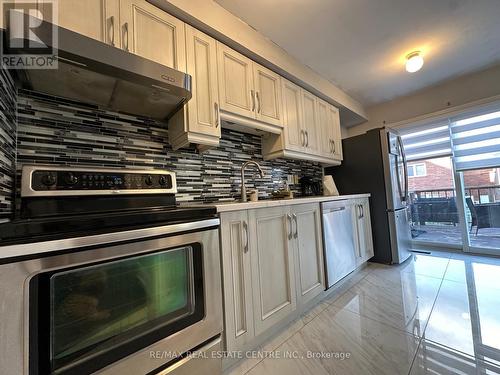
point(414, 168)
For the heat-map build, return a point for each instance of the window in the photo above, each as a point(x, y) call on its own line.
point(417, 170)
point(463, 149)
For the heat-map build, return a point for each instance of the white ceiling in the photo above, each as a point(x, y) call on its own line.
point(360, 45)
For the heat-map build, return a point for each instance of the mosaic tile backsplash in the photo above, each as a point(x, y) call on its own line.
point(7, 142)
point(61, 132)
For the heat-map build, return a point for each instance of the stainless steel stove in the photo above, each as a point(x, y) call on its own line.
point(102, 272)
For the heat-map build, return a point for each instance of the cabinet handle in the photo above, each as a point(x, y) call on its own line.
point(217, 115)
point(330, 144)
point(258, 101)
point(302, 138)
point(245, 229)
point(307, 138)
point(252, 94)
point(296, 234)
point(112, 24)
point(125, 35)
point(333, 145)
point(362, 210)
point(290, 229)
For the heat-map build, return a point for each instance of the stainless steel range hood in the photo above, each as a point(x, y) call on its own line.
point(94, 72)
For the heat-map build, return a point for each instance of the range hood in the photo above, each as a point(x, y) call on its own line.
point(94, 72)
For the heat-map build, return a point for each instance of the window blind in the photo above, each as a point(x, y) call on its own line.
point(428, 140)
point(476, 141)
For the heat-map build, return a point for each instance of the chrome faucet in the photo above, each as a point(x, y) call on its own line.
point(243, 188)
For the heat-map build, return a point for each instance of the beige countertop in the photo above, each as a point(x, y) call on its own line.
point(236, 205)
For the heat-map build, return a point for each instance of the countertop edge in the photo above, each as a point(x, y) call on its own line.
point(237, 206)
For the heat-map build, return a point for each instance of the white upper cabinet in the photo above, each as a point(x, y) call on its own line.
point(151, 33)
point(199, 121)
point(97, 19)
point(334, 122)
point(268, 97)
point(227, 87)
point(202, 66)
point(311, 125)
point(248, 89)
point(337, 140)
point(292, 116)
point(329, 126)
point(236, 91)
point(326, 131)
point(310, 128)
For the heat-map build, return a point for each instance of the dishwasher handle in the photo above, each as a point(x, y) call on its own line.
point(336, 209)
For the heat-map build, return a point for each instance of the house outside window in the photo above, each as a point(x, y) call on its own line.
point(417, 170)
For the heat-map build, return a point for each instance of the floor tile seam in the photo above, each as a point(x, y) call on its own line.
point(415, 355)
point(434, 303)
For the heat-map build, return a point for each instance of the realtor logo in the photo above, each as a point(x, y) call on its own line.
point(30, 41)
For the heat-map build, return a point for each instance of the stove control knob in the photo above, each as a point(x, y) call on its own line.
point(148, 180)
point(163, 181)
point(70, 178)
point(48, 179)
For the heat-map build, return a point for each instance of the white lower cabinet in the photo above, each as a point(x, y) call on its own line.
point(273, 266)
point(364, 239)
point(309, 252)
point(273, 269)
point(272, 261)
point(237, 281)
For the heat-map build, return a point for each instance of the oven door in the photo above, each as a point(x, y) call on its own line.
point(127, 308)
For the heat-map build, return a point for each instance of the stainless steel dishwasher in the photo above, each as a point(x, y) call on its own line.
point(338, 240)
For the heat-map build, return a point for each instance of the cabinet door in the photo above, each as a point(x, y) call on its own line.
point(292, 116)
point(309, 258)
point(336, 133)
point(273, 280)
point(236, 92)
point(201, 51)
point(151, 33)
point(267, 95)
point(311, 126)
point(97, 19)
point(325, 126)
point(236, 271)
point(365, 239)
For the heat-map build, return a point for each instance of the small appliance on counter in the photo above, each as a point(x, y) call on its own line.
point(309, 187)
point(106, 269)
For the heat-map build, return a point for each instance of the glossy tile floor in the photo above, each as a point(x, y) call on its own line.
point(433, 314)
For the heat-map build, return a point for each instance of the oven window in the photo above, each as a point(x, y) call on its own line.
point(102, 310)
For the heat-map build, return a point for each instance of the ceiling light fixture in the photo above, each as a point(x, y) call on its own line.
point(414, 62)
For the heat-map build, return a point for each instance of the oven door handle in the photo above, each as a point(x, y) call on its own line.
point(34, 248)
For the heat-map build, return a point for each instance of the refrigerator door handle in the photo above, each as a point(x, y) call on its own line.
point(398, 176)
point(405, 167)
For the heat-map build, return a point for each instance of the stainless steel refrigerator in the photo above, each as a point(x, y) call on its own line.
point(375, 163)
